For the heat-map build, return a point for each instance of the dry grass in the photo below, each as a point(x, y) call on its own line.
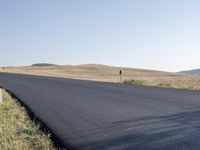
point(17, 131)
point(110, 74)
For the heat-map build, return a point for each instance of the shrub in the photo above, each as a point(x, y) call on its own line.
point(135, 82)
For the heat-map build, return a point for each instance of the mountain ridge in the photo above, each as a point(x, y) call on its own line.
point(193, 72)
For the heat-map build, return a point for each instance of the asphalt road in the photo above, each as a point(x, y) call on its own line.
point(91, 115)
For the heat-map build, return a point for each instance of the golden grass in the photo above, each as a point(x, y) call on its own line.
point(110, 74)
point(17, 131)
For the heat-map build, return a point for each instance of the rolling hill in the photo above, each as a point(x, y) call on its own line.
point(194, 71)
point(42, 65)
point(104, 73)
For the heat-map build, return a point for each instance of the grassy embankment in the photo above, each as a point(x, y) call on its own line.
point(17, 131)
point(146, 83)
point(110, 74)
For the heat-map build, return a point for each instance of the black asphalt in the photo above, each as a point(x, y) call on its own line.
point(91, 115)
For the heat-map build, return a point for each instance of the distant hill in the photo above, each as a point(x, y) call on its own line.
point(43, 65)
point(98, 72)
point(195, 71)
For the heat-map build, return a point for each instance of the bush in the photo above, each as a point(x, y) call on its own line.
point(162, 84)
point(135, 82)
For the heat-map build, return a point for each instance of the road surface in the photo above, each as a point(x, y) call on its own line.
point(89, 115)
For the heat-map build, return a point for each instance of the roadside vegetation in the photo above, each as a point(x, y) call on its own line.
point(17, 131)
point(105, 73)
point(136, 82)
point(146, 83)
point(176, 85)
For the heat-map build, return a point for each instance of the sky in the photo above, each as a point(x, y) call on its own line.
point(151, 34)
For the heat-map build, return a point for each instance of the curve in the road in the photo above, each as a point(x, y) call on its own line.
point(92, 115)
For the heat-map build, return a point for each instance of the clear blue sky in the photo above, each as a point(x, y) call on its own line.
point(152, 34)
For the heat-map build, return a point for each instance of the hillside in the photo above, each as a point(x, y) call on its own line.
point(194, 71)
point(105, 73)
point(42, 64)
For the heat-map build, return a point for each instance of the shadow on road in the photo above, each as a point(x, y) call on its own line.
point(177, 131)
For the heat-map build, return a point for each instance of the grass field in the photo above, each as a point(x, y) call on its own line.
point(110, 74)
point(17, 131)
